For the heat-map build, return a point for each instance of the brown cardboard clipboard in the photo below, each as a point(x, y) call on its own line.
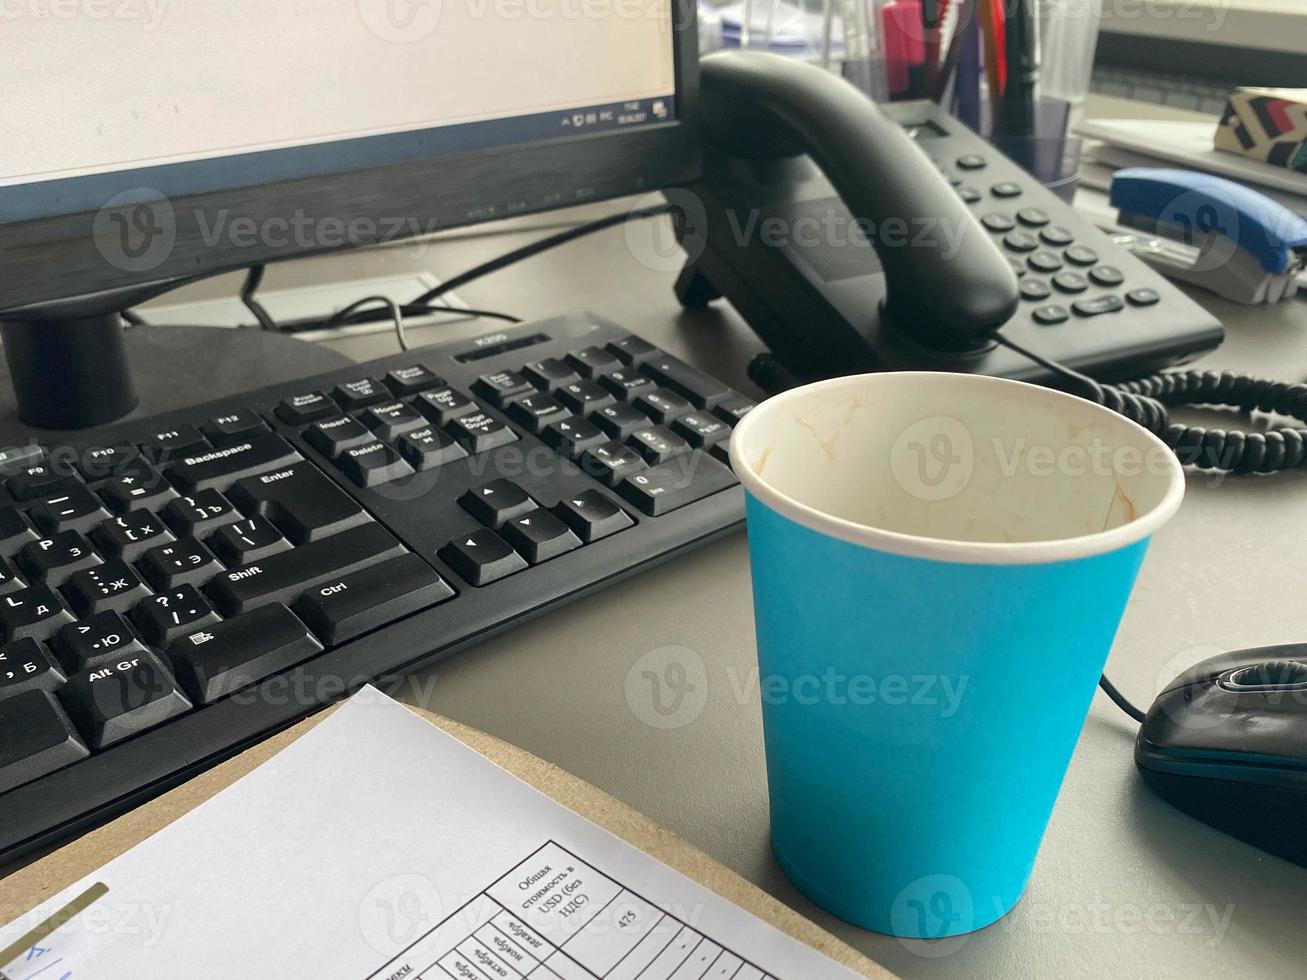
point(30, 886)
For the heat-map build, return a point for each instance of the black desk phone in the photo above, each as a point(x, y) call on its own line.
point(854, 237)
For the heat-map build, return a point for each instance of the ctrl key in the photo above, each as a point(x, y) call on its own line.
point(122, 699)
point(36, 738)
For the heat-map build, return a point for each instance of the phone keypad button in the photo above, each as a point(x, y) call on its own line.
point(1051, 315)
point(1006, 188)
point(998, 222)
point(971, 161)
point(1033, 217)
point(1034, 289)
point(1107, 275)
point(1070, 282)
point(1057, 236)
point(1020, 241)
point(1081, 255)
point(969, 194)
point(1045, 261)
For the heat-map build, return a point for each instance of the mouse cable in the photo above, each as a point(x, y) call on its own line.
point(422, 304)
point(1145, 401)
point(253, 278)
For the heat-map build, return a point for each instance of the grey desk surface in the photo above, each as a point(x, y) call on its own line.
point(1124, 884)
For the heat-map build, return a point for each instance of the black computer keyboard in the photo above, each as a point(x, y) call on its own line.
point(183, 586)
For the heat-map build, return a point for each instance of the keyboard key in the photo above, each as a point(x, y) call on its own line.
point(354, 604)
point(141, 487)
point(590, 362)
point(247, 541)
point(234, 427)
point(701, 430)
point(410, 380)
point(184, 440)
point(550, 374)
point(632, 350)
point(305, 408)
point(100, 462)
point(501, 387)
point(626, 383)
point(496, 502)
point(40, 480)
point(480, 432)
point(702, 389)
point(373, 464)
point(183, 562)
point(583, 397)
point(482, 557)
point(25, 665)
point(14, 531)
point(331, 437)
point(16, 458)
point(392, 419)
point(214, 661)
point(10, 580)
point(612, 462)
point(354, 395)
point(733, 410)
point(663, 405)
point(539, 536)
point(102, 639)
point(619, 421)
point(592, 516)
point(218, 469)
point(113, 586)
point(674, 484)
point(572, 436)
point(444, 405)
point(53, 559)
point(36, 738)
point(301, 500)
point(534, 412)
point(35, 611)
point(162, 618)
point(122, 699)
point(200, 515)
point(76, 509)
point(657, 444)
point(429, 447)
point(282, 577)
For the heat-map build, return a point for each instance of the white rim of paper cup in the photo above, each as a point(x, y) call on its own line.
point(947, 549)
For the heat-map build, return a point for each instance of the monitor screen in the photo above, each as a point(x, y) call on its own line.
point(176, 100)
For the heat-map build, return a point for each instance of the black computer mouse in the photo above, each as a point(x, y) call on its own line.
point(1226, 742)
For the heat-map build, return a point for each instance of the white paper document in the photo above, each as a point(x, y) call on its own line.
point(376, 847)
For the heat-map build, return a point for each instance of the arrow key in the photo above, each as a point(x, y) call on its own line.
point(592, 516)
point(482, 557)
point(498, 501)
point(540, 536)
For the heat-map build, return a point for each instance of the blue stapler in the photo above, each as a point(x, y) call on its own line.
point(1239, 243)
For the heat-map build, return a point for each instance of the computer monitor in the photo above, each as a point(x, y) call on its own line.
point(148, 142)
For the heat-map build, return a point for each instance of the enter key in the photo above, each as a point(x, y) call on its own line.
point(362, 601)
point(302, 501)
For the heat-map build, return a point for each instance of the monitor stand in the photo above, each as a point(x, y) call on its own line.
point(87, 370)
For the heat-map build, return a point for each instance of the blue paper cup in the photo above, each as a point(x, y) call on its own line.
point(940, 562)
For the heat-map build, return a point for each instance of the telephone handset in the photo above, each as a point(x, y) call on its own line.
point(853, 236)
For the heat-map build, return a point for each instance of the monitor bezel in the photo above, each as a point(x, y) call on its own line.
point(56, 262)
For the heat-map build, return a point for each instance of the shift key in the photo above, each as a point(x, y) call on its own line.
point(283, 576)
